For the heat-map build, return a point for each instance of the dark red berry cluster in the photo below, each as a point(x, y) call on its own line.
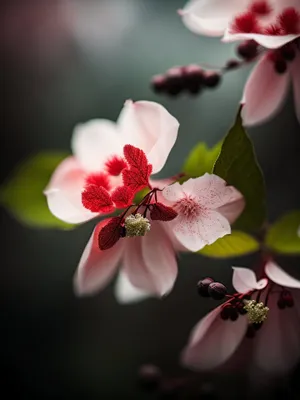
point(209, 288)
point(190, 79)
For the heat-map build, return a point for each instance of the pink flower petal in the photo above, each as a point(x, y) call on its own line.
point(150, 262)
point(295, 68)
point(244, 280)
point(211, 191)
point(151, 128)
point(213, 341)
point(64, 193)
point(277, 344)
point(125, 292)
point(210, 18)
point(198, 232)
point(96, 267)
point(173, 192)
point(94, 142)
point(268, 41)
point(279, 276)
point(233, 210)
point(264, 92)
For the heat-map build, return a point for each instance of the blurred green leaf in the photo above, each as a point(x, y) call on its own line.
point(234, 245)
point(238, 166)
point(283, 236)
point(200, 160)
point(22, 194)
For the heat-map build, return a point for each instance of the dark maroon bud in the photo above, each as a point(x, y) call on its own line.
point(287, 298)
point(281, 303)
point(175, 81)
point(247, 50)
point(257, 326)
point(288, 52)
point(232, 64)
point(123, 231)
point(211, 79)
point(217, 290)
point(193, 78)
point(225, 313)
point(247, 297)
point(159, 83)
point(250, 332)
point(280, 66)
point(203, 286)
point(234, 314)
point(149, 376)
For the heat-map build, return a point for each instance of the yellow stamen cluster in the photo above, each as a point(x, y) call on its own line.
point(136, 225)
point(256, 312)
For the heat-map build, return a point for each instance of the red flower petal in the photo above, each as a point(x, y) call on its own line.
point(162, 213)
point(97, 199)
point(136, 179)
point(122, 196)
point(110, 233)
point(135, 157)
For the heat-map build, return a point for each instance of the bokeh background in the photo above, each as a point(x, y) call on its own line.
point(67, 61)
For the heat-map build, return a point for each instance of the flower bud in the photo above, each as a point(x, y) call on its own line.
point(287, 298)
point(217, 290)
point(250, 332)
point(136, 225)
point(149, 376)
point(280, 66)
point(233, 314)
point(288, 52)
point(159, 83)
point(203, 287)
point(211, 79)
point(247, 50)
point(226, 311)
point(232, 64)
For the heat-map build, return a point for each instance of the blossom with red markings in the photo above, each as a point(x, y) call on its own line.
point(206, 206)
point(102, 173)
point(245, 20)
point(274, 27)
point(258, 326)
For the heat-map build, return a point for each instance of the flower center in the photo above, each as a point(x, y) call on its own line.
point(136, 225)
point(115, 165)
point(188, 207)
point(260, 8)
point(256, 312)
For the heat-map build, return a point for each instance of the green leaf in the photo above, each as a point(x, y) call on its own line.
point(23, 196)
point(200, 160)
point(238, 166)
point(234, 245)
point(283, 236)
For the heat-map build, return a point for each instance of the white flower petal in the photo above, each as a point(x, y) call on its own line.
point(244, 280)
point(151, 128)
point(279, 276)
point(125, 292)
point(264, 92)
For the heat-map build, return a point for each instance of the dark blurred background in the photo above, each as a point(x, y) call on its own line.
point(67, 61)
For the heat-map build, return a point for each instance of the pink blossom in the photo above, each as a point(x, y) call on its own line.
point(206, 206)
point(273, 24)
point(147, 264)
point(266, 89)
point(275, 346)
point(244, 20)
point(98, 156)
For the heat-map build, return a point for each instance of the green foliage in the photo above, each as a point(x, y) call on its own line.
point(235, 245)
point(283, 236)
point(200, 160)
point(22, 194)
point(238, 166)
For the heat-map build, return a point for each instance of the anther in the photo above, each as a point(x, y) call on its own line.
point(136, 225)
point(256, 312)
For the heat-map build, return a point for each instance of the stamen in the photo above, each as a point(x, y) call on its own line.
point(256, 312)
point(245, 23)
point(136, 225)
point(100, 179)
point(188, 207)
point(289, 20)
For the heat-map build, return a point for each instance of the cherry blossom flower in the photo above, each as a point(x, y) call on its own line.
point(263, 315)
point(206, 206)
point(272, 24)
point(82, 185)
point(147, 264)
